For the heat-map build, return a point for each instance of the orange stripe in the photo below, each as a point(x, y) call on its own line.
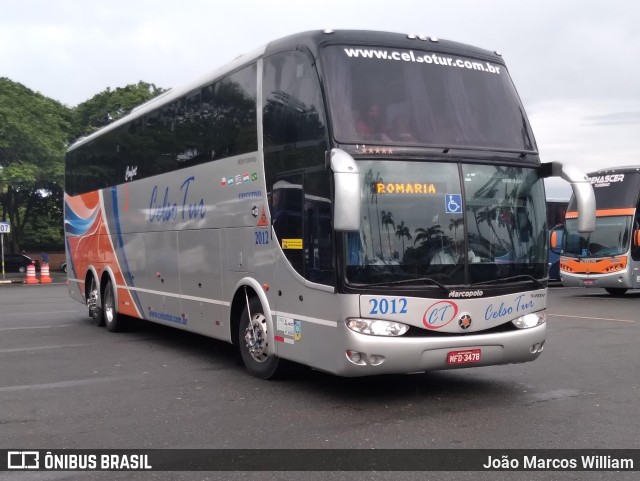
point(603, 212)
point(602, 266)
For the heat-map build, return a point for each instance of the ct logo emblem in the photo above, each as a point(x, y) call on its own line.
point(464, 322)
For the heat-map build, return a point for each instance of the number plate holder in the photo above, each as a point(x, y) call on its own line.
point(468, 356)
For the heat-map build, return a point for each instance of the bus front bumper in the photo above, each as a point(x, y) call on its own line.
point(614, 280)
point(366, 355)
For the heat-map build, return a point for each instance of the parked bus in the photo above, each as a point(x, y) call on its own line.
point(294, 203)
point(608, 257)
point(556, 211)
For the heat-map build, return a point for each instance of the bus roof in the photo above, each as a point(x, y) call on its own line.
point(313, 40)
point(616, 170)
point(317, 38)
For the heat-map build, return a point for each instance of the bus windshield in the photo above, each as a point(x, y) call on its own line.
point(447, 223)
point(414, 97)
point(611, 238)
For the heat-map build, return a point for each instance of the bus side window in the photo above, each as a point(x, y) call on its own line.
point(298, 184)
point(286, 204)
point(318, 228)
point(301, 218)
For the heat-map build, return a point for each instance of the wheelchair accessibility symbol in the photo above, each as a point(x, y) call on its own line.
point(453, 203)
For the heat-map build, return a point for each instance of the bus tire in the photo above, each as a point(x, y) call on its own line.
point(112, 319)
point(616, 291)
point(254, 343)
point(95, 312)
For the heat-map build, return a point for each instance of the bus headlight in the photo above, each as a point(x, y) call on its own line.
point(531, 320)
point(376, 327)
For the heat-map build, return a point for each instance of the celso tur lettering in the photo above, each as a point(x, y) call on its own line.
point(168, 210)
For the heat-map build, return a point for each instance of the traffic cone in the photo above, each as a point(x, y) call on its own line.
point(44, 273)
point(31, 275)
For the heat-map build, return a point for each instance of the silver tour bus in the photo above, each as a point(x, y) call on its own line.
point(359, 202)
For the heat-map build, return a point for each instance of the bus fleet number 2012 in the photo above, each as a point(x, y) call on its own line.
point(388, 306)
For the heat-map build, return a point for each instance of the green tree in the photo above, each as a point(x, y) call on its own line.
point(34, 131)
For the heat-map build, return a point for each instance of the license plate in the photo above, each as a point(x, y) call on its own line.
point(463, 357)
point(589, 282)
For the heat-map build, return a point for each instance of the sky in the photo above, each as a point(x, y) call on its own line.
point(575, 64)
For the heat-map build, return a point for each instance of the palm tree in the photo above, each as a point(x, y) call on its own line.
point(402, 231)
point(424, 235)
point(487, 215)
point(387, 219)
point(453, 225)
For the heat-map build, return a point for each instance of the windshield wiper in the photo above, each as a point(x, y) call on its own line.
point(427, 280)
point(512, 278)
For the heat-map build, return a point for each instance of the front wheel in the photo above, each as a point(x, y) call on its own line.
point(616, 291)
point(112, 319)
point(253, 340)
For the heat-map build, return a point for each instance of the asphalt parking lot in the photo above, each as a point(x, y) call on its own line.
point(67, 383)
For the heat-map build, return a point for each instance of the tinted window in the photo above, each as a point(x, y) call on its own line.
point(613, 190)
point(301, 215)
point(232, 116)
point(216, 121)
point(292, 109)
point(293, 116)
point(396, 96)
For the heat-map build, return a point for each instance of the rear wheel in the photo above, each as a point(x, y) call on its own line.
point(616, 291)
point(112, 319)
point(253, 338)
point(93, 302)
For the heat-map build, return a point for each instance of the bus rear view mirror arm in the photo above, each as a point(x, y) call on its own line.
point(582, 189)
point(346, 179)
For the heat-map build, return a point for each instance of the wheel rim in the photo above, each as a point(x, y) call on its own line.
point(256, 340)
point(108, 306)
point(92, 301)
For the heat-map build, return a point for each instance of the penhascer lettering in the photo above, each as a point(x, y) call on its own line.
point(421, 57)
point(605, 180)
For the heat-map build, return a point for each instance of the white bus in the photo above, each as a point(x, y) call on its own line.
point(297, 201)
point(608, 257)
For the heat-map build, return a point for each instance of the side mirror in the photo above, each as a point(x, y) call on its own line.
point(636, 238)
point(555, 239)
point(582, 190)
point(346, 180)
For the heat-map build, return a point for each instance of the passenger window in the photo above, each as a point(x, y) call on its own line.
point(286, 203)
point(293, 110)
point(301, 217)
